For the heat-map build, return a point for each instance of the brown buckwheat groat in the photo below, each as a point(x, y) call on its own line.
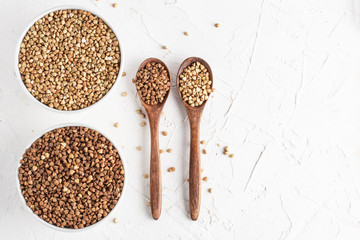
point(152, 83)
point(69, 59)
point(71, 177)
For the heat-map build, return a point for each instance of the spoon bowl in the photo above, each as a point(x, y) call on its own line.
point(194, 115)
point(158, 106)
point(154, 113)
point(187, 62)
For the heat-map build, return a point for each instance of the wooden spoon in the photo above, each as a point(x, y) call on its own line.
point(154, 112)
point(194, 114)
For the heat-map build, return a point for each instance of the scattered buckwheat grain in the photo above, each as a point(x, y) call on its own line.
point(172, 169)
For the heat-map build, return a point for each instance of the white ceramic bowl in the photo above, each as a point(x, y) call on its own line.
point(17, 50)
point(22, 199)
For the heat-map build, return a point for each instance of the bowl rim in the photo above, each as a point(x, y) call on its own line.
point(65, 7)
point(21, 196)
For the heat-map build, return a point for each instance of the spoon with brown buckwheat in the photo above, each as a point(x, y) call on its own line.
point(153, 84)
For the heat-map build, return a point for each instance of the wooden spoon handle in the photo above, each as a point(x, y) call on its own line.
point(195, 169)
point(155, 170)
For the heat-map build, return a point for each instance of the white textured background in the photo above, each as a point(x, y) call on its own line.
point(287, 74)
